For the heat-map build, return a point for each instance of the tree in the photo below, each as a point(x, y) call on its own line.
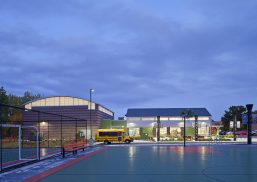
point(3, 96)
point(3, 100)
point(13, 115)
point(255, 112)
point(14, 100)
point(187, 113)
point(28, 96)
point(229, 115)
point(16, 114)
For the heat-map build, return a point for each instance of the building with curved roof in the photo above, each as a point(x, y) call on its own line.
point(58, 101)
point(70, 108)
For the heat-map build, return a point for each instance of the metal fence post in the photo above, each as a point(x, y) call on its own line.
point(38, 121)
point(86, 131)
point(48, 134)
point(76, 127)
point(62, 150)
point(1, 138)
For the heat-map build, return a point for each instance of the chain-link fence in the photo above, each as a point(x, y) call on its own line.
point(32, 135)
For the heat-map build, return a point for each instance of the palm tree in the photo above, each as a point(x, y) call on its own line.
point(187, 113)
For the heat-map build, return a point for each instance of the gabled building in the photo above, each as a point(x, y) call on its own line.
point(143, 121)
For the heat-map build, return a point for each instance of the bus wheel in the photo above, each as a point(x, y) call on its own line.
point(106, 142)
point(127, 141)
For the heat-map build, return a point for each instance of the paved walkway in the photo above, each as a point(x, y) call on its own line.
point(31, 170)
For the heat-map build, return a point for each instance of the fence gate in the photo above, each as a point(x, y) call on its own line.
point(19, 144)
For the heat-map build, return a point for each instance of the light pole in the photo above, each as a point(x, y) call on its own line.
point(90, 107)
point(249, 123)
point(184, 117)
point(234, 126)
point(187, 113)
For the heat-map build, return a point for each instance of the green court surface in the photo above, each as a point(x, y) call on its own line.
point(222, 163)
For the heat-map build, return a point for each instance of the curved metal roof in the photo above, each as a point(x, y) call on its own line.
point(34, 100)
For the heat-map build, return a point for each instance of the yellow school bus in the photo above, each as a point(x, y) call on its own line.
point(112, 135)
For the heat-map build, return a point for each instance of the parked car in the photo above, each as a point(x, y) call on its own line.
point(222, 133)
point(254, 132)
point(243, 132)
point(237, 132)
point(230, 133)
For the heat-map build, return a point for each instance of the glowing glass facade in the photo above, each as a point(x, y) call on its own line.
point(144, 121)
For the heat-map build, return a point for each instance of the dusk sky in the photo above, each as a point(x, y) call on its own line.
point(134, 53)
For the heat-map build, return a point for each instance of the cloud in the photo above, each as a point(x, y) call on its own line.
point(135, 54)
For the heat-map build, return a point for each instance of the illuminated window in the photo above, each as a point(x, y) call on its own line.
point(28, 106)
point(203, 131)
point(42, 102)
point(36, 103)
point(82, 102)
point(48, 102)
point(175, 118)
point(175, 131)
point(102, 109)
point(92, 106)
point(133, 119)
point(76, 102)
point(66, 101)
point(181, 124)
point(163, 131)
point(204, 124)
point(133, 131)
point(148, 118)
point(203, 118)
point(61, 101)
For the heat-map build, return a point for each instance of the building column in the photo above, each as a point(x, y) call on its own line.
point(196, 128)
point(154, 131)
point(141, 131)
point(168, 131)
point(158, 128)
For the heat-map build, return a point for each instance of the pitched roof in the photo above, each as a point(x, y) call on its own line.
point(150, 112)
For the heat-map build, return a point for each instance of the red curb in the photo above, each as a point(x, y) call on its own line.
point(62, 166)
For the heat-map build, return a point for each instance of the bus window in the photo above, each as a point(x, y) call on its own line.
point(112, 134)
